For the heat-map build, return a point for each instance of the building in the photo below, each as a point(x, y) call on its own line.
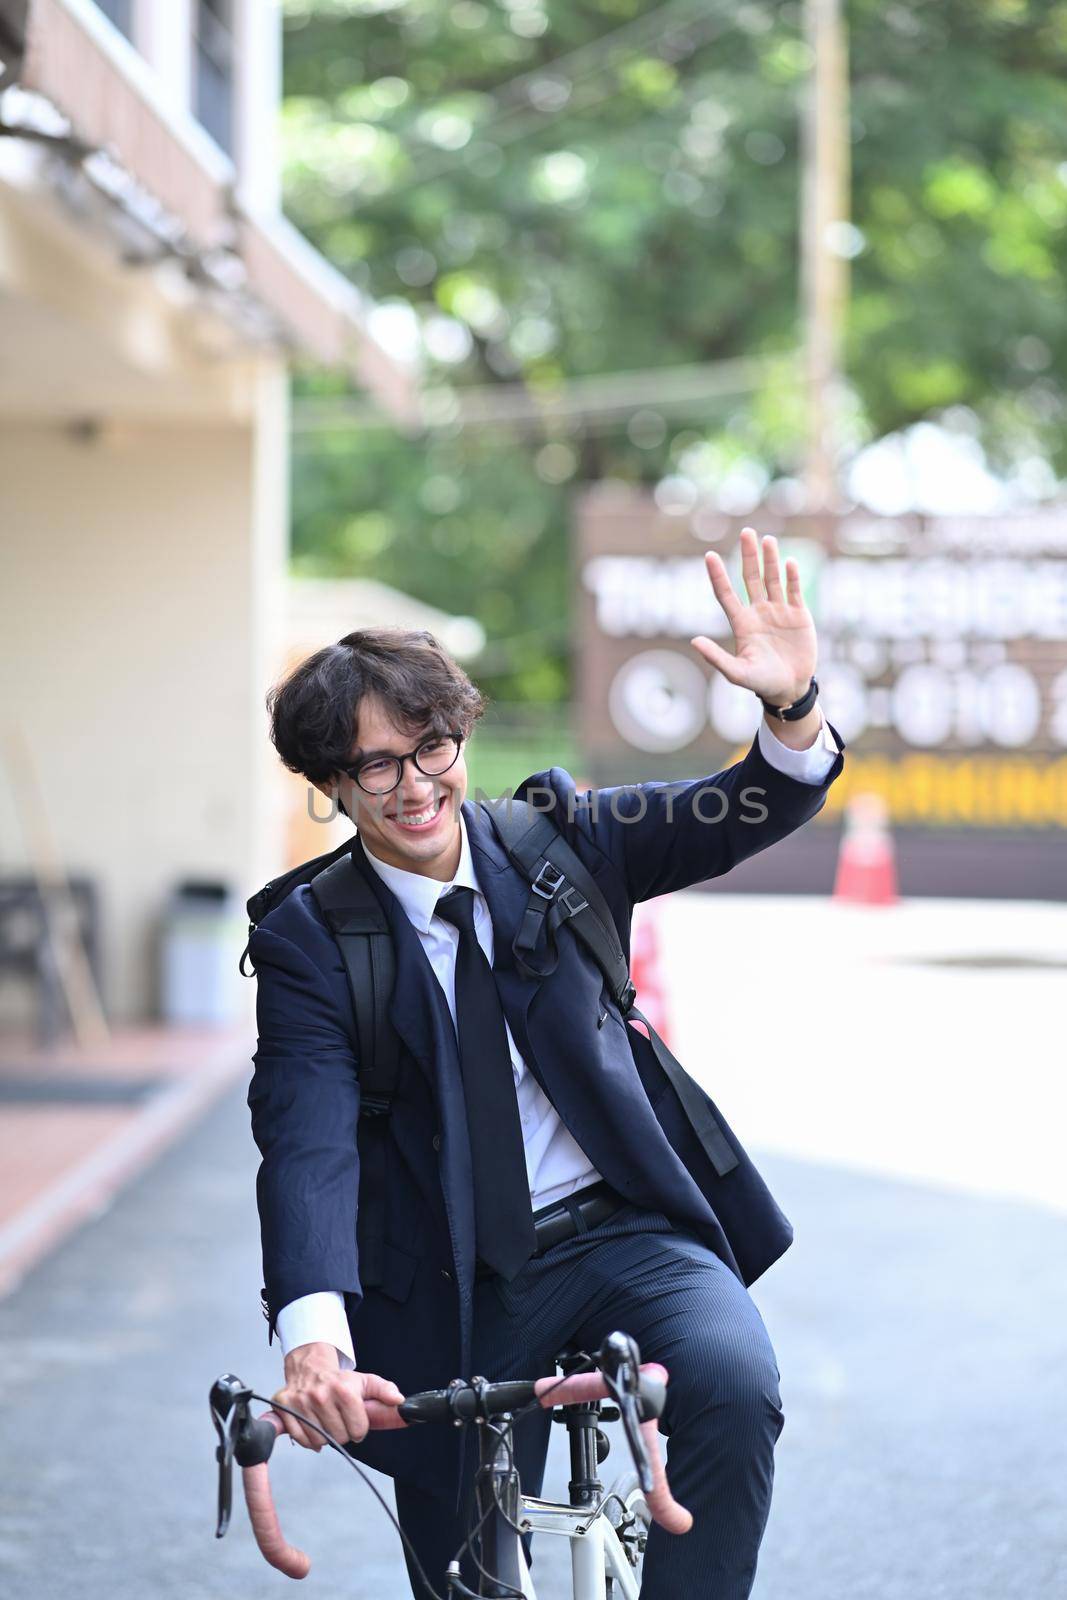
point(151, 298)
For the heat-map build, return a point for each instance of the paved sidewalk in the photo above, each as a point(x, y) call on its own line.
point(78, 1125)
point(920, 1041)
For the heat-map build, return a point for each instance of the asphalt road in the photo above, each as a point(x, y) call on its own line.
point(921, 1337)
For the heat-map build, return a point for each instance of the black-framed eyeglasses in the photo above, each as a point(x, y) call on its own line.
point(381, 774)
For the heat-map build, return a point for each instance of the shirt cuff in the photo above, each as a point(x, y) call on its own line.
point(807, 766)
point(317, 1319)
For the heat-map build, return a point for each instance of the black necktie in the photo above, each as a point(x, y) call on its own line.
point(503, 1218)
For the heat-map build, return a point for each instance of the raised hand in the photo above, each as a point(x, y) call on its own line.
point(774, 635)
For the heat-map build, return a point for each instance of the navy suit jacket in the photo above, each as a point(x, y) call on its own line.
point(413, 1323)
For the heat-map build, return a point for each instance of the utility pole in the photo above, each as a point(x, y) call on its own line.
point(824, 266)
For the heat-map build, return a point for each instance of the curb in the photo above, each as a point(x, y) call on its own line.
point(90, 1187)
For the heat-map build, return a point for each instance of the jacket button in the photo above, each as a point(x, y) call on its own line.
point(437, 1141)
point(446, 1275)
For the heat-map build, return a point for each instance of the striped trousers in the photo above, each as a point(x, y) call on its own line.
point(637, 1273)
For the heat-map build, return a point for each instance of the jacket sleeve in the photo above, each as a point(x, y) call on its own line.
point(662, 836)
point(304, 1101)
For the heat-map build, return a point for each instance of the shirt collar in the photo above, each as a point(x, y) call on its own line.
point(419, 894)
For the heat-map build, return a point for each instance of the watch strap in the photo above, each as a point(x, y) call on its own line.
point(798, 709)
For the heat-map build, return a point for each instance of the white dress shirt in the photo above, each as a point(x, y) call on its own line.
point(555, 1164)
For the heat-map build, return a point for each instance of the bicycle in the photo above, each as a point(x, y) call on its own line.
point(607, 1529)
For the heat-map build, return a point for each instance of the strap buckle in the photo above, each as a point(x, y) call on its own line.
point(568, 904)
point(628, 996)
point(552, 877)
point(546, 884)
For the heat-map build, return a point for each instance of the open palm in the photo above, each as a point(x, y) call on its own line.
point(774, 635)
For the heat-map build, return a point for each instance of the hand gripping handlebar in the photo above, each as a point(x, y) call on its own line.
point(638, 1391)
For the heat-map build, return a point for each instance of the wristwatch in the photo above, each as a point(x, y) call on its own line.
point(798, 709)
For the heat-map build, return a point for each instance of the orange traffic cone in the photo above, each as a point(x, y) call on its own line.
point(646, 970)
point(866, 863)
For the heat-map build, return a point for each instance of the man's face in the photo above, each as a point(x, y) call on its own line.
point(386, 822)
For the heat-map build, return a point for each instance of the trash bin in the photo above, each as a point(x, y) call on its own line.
point(203, 935)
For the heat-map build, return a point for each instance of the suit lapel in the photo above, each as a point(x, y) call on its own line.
point(419, 1012)
point(507, 893)
point(418, 1009)
point(505, 889)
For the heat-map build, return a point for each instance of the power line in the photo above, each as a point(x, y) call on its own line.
point(589, 58)
point(605, 397)
point(526, 119)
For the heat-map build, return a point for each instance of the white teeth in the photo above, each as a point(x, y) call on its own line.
point(413, 821)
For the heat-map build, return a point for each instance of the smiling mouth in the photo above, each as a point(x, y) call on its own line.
point(419, 821)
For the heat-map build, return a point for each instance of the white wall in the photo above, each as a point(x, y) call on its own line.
point(141, 594)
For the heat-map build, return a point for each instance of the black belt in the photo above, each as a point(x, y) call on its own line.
point(554, 1223)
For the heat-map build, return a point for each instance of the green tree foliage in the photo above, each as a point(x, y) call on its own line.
point(562, 189)
point(960, 192)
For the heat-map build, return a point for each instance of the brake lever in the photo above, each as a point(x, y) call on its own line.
point(227, 1395)
point(620, 1362)
point(241, 1437)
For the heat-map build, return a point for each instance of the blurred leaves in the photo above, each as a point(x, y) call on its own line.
point(960, 190)
point(565, 188)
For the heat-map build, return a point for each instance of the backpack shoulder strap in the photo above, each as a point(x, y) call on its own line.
point(357, 921)
point(274, 892)
point(562, 889)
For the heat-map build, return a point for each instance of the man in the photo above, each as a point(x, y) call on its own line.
point(539, 1180)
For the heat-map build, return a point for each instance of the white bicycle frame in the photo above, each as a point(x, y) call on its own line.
point(596, 1549)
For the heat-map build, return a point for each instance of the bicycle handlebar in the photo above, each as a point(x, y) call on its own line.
point(640, 1396)
point(273, 1545)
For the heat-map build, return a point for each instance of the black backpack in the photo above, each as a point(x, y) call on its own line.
point(562, 890)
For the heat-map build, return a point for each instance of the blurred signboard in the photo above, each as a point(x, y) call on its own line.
point(943, 653)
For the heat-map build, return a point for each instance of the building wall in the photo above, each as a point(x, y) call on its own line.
point(139, 613)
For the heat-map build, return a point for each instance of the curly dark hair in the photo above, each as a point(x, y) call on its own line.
point(313, 711)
